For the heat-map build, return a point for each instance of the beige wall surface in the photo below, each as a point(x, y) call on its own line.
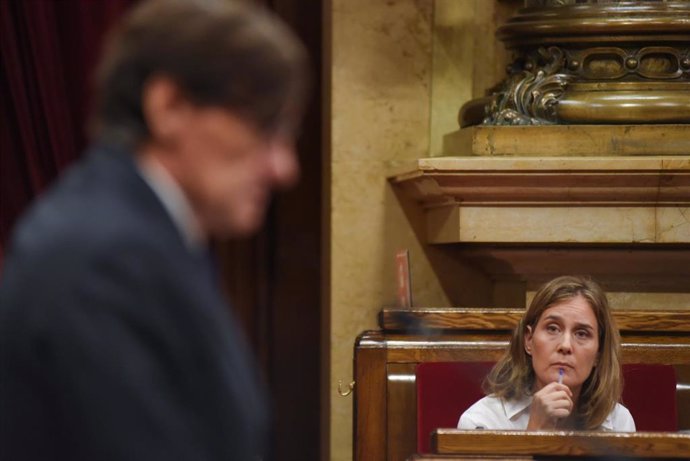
point(381, 57)
point(380, 80)
point(467, 59)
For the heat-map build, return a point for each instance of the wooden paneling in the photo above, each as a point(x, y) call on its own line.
point(430, 457)
point(468, 318)
point(370, 431)
point(648, 445)
point(402, 404)
point(463, 318)
point(683, 395)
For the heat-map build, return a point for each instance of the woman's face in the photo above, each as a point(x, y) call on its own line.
point(565, 337)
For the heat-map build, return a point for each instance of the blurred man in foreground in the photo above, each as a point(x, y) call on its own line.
point(115, 343)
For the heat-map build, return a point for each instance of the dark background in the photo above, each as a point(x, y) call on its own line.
point(48, 51)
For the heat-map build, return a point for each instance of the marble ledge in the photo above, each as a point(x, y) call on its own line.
point(558, 225)
point(569, 140)
point(630, 181)
point(551, 200)
point(413, 168)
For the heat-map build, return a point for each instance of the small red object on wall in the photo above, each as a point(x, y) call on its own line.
point(402, 264)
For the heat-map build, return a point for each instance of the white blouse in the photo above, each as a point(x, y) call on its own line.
point(494, 413)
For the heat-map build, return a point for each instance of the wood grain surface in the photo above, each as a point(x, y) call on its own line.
point(481, 318)
point(634, 445)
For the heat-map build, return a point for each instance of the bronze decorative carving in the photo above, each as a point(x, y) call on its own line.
point(593, 61)
point(531, 95)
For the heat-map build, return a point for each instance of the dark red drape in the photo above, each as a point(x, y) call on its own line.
point(48, 51)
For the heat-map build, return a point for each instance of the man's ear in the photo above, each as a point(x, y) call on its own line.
point(528, 340)
point(164, 108)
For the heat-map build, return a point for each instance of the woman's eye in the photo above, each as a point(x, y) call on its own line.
point(552, 328)
point(582, 334)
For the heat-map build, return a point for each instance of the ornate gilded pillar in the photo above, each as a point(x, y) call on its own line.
point(592, 62)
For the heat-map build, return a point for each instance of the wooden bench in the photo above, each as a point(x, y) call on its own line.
point(386, 360)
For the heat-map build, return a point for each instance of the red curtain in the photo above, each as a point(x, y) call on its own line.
point(48, 51)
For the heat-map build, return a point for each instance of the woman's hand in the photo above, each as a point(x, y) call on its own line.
point(550, 404)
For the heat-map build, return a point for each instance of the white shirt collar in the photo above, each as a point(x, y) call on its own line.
point(174, 201)
point(513, 407)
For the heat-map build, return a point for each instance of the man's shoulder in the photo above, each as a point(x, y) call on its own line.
point(65, 226)
point(84, 224)
point(92, 206)
point(59, 269)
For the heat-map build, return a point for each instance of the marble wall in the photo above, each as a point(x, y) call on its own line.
point(380, 56)
point(467, 59)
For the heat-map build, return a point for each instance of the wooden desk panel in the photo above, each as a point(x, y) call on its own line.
point(645, 445)
point(431, 457)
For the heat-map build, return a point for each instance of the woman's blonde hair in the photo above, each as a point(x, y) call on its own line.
point(513, 375)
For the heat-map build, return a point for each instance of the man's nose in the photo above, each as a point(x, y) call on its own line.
point(283, 164)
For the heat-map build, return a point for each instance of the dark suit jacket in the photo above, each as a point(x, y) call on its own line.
point(115, 343)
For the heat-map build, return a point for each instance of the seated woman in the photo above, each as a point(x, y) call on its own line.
point(562, 369)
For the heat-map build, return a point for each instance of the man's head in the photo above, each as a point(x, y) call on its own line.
point(213, 91)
